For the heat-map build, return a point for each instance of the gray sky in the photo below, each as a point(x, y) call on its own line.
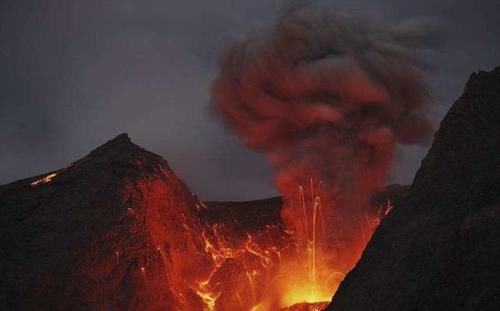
point(74, 74)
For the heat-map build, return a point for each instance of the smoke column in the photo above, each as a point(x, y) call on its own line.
point(326, 98)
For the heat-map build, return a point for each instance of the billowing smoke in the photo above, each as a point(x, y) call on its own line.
point(326, 98)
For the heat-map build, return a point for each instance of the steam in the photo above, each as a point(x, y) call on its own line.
point(326, 98)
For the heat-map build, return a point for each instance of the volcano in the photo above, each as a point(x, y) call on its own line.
point(118, 229)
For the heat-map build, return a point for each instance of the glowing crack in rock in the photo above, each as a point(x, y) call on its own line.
point(43, 180)
point(208, 297)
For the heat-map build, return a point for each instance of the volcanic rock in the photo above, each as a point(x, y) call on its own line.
point(440, 248)
point(394, 193)
point(105, 233)
point(246, 216)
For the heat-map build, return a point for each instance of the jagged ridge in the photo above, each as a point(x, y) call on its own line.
point(439, 249)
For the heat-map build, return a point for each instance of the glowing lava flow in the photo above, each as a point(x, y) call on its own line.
point(314, 274)
point(315, 278)
point(208, 297)
point(44, 180)
point(278, 267)
point(241, 264)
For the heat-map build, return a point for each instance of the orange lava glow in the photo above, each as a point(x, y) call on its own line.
point(206, 295)
point(214, 266)
point(43, 180)
point(273, 275)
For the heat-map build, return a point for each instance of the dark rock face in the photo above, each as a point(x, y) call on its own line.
point(440, 249)
point(394, 193)
point(247, 216)
point(102, 234)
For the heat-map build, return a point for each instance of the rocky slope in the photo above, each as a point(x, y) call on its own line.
point(105, 233)
point(117, 230)
point(440, 249)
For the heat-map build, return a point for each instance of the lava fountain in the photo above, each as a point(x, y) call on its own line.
point(326, 98)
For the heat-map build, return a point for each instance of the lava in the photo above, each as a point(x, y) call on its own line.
point(312, 274)
point(277, 267)
point(44, 180)
point(208, 297)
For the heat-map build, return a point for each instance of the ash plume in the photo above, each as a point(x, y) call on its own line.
point(326, 98)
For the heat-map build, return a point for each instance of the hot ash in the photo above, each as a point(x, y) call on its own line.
point(326, 98)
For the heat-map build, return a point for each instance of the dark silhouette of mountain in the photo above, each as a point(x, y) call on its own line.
point(440, 248)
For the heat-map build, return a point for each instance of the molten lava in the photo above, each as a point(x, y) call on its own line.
point(257, 258)
point(276, 266)
point(44, 180)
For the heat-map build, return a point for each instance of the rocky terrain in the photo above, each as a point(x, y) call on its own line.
point(440, 248)
point(117, 230)
point(104, 233)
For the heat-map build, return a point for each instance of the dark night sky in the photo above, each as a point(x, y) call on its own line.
point(76, 73)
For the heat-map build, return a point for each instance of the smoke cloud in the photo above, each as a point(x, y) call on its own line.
point(326, 97)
